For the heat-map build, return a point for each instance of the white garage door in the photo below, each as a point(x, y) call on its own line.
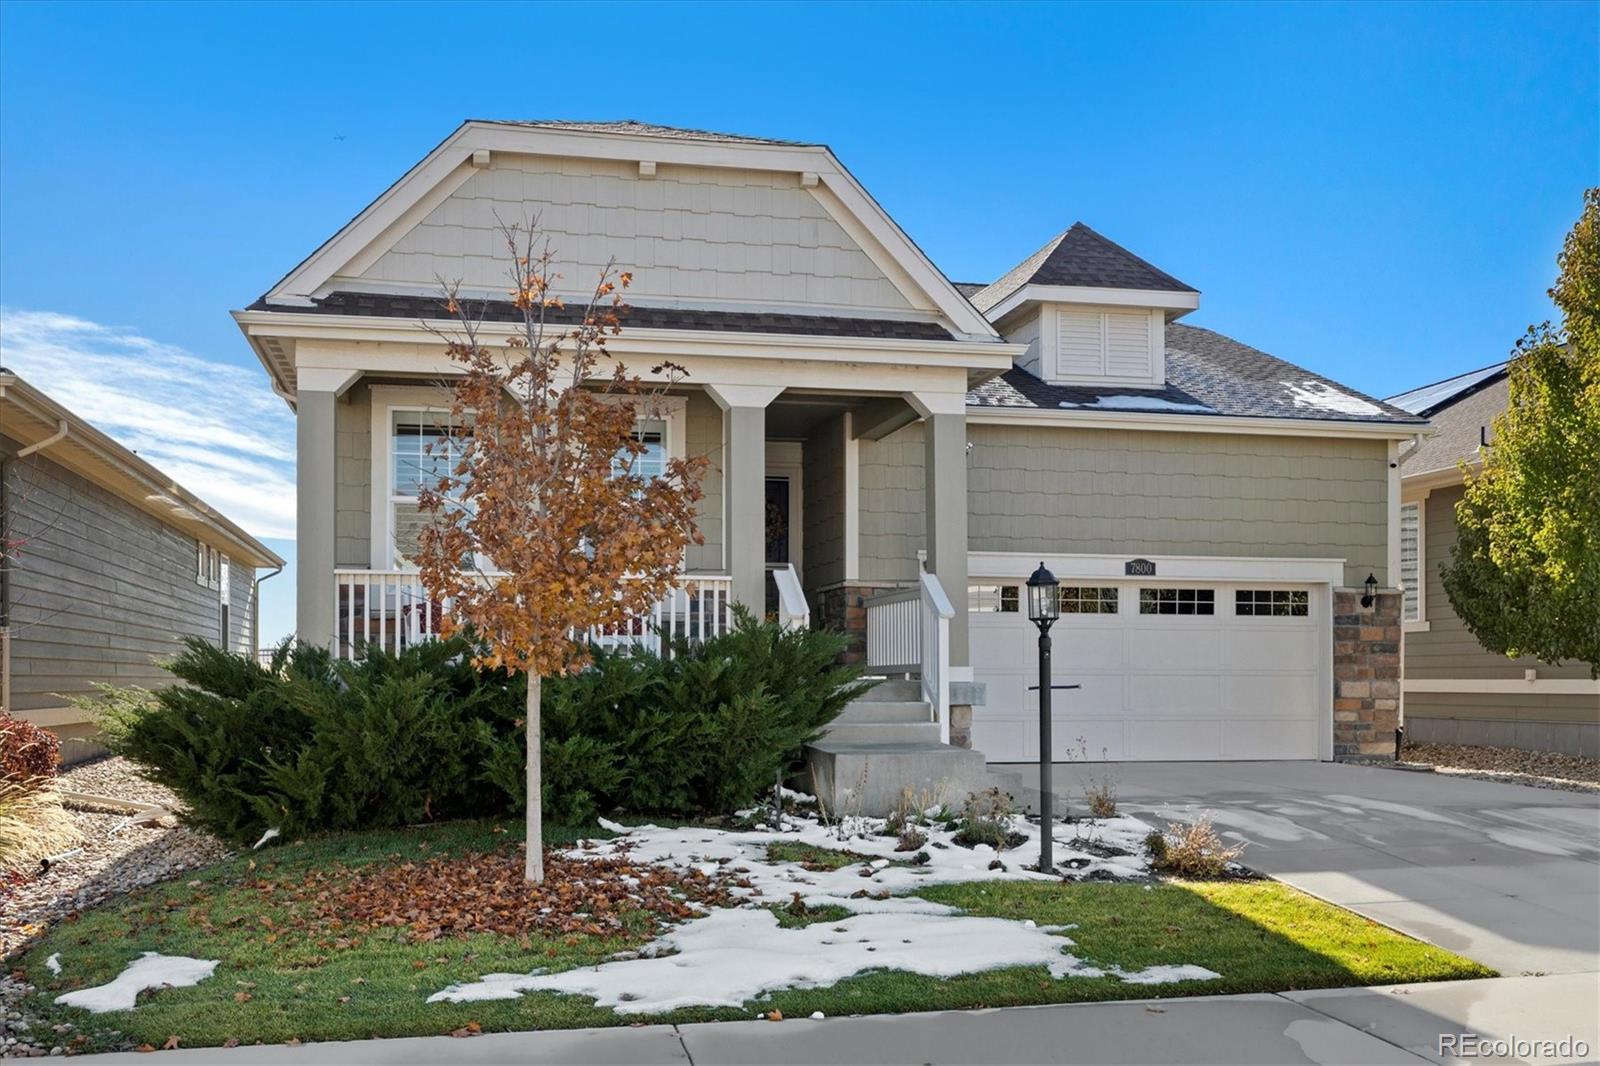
point(1169, 669)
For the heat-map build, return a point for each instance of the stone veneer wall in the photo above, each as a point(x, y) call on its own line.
point(1366, 674)
point(842, 608)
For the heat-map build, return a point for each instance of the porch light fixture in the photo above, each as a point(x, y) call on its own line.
point(1044, 607)
point(1372, 590)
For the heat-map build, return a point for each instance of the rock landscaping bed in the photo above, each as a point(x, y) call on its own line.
point(1540, 769)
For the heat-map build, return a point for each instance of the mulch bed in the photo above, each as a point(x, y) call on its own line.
point(486, 893)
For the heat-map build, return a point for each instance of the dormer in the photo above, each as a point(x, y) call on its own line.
point(1090, 311)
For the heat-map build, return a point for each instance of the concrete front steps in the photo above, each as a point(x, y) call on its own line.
point(883, 743)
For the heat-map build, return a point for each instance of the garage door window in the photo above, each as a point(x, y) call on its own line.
point(1275, 603)
point(1087, 599)
point(986, 599)
point(1177, 601)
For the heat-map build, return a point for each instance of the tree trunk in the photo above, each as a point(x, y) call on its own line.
point(533, 869)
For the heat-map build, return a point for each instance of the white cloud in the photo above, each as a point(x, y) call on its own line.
point(215, 428)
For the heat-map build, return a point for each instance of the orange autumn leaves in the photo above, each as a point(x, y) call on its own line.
point(547, 525)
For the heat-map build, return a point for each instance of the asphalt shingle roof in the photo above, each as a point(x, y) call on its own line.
point(1080, 256)
point(1458, 428)
point(394, 305)
point(648, 129)
point(1208, 374)
point(1429, 398)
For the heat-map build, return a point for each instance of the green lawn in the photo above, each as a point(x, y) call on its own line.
point(281, 980)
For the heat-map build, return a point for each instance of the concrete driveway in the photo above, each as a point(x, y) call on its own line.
point(1504, 874)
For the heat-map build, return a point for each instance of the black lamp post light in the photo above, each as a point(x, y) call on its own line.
point(1372, 590)
point(1044, 607)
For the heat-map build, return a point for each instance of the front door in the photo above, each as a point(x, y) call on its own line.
point(779, 513)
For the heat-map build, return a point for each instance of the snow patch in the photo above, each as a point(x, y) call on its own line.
point(1138, 403)
point(733, 956)
point(270, 834)
point(1324, 397)
point(53, 963)
point(150, 970)
point(1162, 975)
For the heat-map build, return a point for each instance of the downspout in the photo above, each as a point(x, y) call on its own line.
point(1400, 723)
point(5, 568)
point(255, 611)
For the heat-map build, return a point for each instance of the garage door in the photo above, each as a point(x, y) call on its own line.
point(1169, 669)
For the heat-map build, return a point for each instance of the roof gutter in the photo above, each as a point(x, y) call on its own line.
point(62, 429)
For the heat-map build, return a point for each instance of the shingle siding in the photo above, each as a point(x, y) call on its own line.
point(823, 495)
point(689, 233)
point(352, 488)
point(103, 589)
point(1050, 490)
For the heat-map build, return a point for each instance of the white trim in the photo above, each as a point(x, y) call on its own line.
point(1008, 565)
point(1085, 294)
point(1184, 423)
point(1419, 624)
point(1392, 508)
point(1417, 627)
point(730, 396)
point(1504, 686)
point(852, 500)
point(1426, 481)
point(385, 400)
point(927, 403)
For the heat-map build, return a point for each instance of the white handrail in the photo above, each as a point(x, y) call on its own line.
point(793, 611)
point(391, 610)
point(908, 632)
point(936, 615)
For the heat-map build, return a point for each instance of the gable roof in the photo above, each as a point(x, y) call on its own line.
point(399, 207)
point(30, 416)
point(1208, 374)
point(1080, 257)
point(1430, 398)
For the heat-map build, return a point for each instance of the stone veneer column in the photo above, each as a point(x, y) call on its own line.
point(1366, 675)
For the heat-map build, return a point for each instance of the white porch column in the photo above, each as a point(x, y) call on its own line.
point(744, 475)
point(945, 473)
point(317, 391)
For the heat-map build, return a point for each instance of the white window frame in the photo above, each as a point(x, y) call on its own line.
point(201, 558)
point(387, 399)
point(1419, 623)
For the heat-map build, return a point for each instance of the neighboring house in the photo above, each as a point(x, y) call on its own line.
point(898, 450)
point(107, 564)
point(1456, 691)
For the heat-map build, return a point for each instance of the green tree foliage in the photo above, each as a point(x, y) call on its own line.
point(1525, 572)
point(308, 743)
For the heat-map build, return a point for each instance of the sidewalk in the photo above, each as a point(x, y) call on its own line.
point(1391, 1024)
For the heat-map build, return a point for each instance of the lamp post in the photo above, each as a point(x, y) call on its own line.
point(1044, 607)
point(1371, 585)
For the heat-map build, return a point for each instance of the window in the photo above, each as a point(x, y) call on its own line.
point(1411, 560)
point(200, 560)
point(223, 575)
point(986, 599)
point(422, 451)
point(652, 462)
point(1085, 599)
point(1278, 603)
point(1177, 601)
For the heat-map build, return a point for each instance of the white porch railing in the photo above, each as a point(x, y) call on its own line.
point(391, 610)
point(793, 611)
point(908, 632)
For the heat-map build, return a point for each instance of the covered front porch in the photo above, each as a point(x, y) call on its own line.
point(838, 507)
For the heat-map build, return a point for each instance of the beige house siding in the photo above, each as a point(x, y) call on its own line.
point(1448, 649)
point(352, 487)
point(688, 233)
point(1043, 489)
point(703, 430)
point(822, 488)
point(893, 521)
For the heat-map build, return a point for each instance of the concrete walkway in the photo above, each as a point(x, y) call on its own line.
point(1397, 1024)
point(1504, 874)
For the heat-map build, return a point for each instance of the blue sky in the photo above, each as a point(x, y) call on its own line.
point(1376, 192)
